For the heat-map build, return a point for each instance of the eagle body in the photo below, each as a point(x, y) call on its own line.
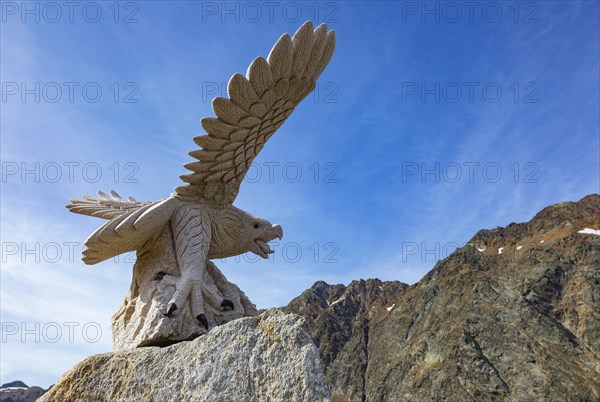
point(133, 224)
point(204, 222)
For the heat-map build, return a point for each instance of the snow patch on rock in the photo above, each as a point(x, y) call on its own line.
point(590, 231)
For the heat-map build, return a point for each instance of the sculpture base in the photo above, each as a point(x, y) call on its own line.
point(141, 320)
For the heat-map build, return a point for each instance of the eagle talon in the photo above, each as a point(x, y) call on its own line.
point(159, 276)
point(171, 309)
point(227, 305)
point(202, 319)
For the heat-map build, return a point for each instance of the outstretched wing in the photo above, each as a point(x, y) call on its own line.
point(258, 105)
point(131, 223)
point(104, 206)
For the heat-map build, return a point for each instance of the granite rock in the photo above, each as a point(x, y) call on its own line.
point(265, 358)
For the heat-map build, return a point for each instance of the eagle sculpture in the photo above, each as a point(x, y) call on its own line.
point(203, 222)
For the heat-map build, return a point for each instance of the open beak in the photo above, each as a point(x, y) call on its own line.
point(278, 231)
point(260, 246)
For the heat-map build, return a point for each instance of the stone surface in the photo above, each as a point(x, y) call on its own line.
point(523, 324)
point(265, 358)
point(198, 222)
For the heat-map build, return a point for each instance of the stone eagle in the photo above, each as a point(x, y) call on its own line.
point(204, 223)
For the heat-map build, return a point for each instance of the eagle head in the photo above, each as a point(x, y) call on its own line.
point(236, 232)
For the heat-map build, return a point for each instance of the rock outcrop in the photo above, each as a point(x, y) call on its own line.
point(338, 319)
point(265, 358)
point(513, 315)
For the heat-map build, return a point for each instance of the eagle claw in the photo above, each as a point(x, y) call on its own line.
point(171, 309)
point(227, 305)
point(203, 320)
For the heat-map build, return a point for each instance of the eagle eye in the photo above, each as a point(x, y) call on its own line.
point(256, 225)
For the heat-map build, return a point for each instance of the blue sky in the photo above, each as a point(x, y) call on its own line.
point(431, 122)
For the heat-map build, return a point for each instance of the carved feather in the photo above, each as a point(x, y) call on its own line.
point(280, 57)
point(103, 206)
point(128, 231)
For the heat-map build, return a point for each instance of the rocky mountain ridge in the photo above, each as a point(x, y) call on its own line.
point(513, 315)
point(337, 317)
point(18, 391)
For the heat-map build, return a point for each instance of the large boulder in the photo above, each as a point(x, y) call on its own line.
point(265, 358)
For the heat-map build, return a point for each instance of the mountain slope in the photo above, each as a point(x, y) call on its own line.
point(18, 391)
point(513, 315)
point(337, 318)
